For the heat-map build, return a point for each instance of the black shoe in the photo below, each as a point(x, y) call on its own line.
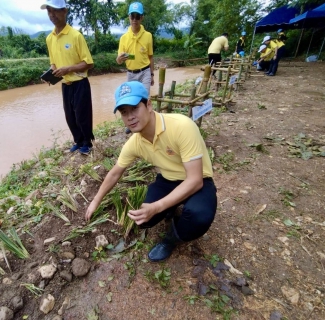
point(127, 131)
point(165, 248)
point(161, 251)
point(266, 72)
point(271, 74)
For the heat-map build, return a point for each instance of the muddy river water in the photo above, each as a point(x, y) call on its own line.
point(32, 117)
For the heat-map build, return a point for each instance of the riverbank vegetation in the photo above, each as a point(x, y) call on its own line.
point(204, 20)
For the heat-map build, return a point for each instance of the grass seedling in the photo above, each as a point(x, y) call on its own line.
point(76, 232)
point(67, 199)
point(14, 244)
point(108, 163)
point(58, 213)
point(36, 291)
point(163, 277)
point(90, 171)
point(211, 154)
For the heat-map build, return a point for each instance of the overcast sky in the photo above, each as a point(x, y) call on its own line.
point(27, 15)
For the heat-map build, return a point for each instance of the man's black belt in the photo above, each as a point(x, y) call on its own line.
point(139, 70)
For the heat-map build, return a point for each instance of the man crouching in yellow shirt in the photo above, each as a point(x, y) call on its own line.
point(172, 143)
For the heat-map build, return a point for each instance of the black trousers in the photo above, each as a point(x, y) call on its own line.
point(275, 62)
point(198, 211)
point(78, 111)
point(213, 59)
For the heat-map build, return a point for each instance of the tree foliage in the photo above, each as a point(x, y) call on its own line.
point(93, 15)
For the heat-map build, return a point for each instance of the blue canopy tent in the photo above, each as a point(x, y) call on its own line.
point(311, 19)
point(277, 19)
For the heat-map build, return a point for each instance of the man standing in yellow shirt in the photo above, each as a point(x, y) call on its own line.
point(172, 143)
point(214, 51)
point(136, 49)
point(70, 58)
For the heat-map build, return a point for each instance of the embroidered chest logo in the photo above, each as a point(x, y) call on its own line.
point(170, 151)
point(67, 46)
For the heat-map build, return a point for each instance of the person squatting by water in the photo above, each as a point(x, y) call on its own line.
point(214, 50)
point(172, 143)
point(70, 58)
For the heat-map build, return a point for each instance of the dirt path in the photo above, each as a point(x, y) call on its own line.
point(270, 224)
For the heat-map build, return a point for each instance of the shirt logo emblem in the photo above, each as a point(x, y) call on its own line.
point(170, 151)
point(67, 46)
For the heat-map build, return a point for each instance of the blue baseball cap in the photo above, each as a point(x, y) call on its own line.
point(243, 33)
point(136, 7)
point(130, 93)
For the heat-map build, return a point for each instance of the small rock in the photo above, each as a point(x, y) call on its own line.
point(42, 284)
point(291, 294)
point(66, 244)
point(101, 241)
point(240, 282)
point(203, 289)
point(284, 240)
point(221, 266)
point(47, 304)
point(206, 237)
point(6, 281)
point(65, 305)
point(6, 313)
point(80, 267)
point(16, 303)
point(47, 271)
point(67, 255)
point(42, 174)
point(48, 241)
point(276, 315)
point(66, 275)
point(29, 203)
point(57, 317)
point(83, 182)
point(247, 291)
point(10, 210)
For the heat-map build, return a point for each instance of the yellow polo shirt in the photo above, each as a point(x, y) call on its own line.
point(268, 54)
point(140, 45)
point(218, 44)
point(68, 48)
point(177, 140)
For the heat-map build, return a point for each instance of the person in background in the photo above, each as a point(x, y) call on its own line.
point(136, 49)
point(70, 58)
point(277, 47)
point(281, 35)
point(266, 54)
point(240, 46)
point(215, 48)
point(173, 144)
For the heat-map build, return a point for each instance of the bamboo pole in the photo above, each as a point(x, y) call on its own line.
point(193, 91)
point(226, 85)
point(171, 96)
point(162, 72)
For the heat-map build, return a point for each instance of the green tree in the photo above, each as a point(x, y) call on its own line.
point(155, 14)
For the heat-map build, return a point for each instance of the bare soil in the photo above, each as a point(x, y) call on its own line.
point(270, 223)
